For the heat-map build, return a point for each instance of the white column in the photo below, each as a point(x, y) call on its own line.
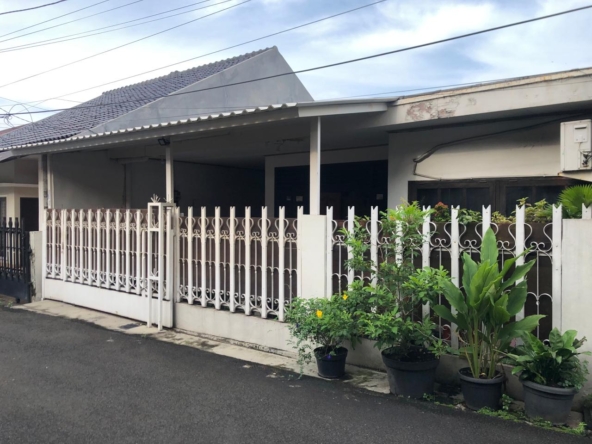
point(315, 167)
point(312, 232)
point(170, 175)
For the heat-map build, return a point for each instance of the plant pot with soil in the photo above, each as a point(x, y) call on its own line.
point(489, 299)
point(551, 374)
point(389, 306)
point(319, 327)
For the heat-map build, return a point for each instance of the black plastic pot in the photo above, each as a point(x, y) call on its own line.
point(331, 366)
point(481, 393)
point(549, 403)
point(410, 379)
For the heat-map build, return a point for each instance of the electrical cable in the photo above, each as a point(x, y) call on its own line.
point(126, 44)
point(344, 62)
point(32, 8)
point(80, 35)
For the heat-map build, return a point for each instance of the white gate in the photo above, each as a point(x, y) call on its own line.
point(123, 258)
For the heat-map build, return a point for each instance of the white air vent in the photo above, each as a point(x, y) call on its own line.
point(576, 151)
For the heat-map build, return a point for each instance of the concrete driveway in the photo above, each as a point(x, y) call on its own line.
point(64, 381)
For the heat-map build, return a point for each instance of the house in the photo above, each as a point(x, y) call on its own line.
point(233, 184)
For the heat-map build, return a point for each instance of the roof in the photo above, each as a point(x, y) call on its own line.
point(116, 103)
point(7, 130)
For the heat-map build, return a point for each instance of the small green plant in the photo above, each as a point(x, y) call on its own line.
point(489, 298)
point(441, 213)
point(539, 212)
point(506, 402)
point(388, 308)
point(573, 198)
point(429, 398)
point(323, 323)
point(553, 364)
point(469, 216)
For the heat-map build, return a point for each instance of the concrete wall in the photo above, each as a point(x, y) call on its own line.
point(529, 152)
point(86, 180)
point(36, 241)
point(576, 290)
point(13, 194)
point(282, 89)
point(21, 171)
point(199, 185)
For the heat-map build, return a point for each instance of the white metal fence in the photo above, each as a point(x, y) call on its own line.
point(246, 264)
point(444, 244)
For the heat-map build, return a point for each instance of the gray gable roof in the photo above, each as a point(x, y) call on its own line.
point(116, 103)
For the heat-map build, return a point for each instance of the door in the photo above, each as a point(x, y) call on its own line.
point(30, 213)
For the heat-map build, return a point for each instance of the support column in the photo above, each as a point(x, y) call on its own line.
point(315, 167)
point(170, 175)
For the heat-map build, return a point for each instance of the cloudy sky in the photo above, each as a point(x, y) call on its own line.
point(551, 45)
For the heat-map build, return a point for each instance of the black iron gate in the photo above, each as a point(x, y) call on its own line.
point(15, 260)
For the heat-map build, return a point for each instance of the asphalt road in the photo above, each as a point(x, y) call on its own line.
point(63, 381)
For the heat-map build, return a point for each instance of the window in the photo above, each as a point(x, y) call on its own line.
point(501, 194)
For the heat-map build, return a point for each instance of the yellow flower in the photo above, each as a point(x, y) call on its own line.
point(319, 314)
point(344, 296)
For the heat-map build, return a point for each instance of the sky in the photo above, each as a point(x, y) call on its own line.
point(551, 45)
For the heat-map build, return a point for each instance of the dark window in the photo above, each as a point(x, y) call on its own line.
point(501, 194)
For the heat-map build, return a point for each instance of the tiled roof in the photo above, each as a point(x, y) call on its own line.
point(117, 102)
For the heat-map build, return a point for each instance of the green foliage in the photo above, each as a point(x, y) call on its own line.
point(441, 213)
point(539, 212)
point(388, 310)
point(321, 322)
point(499, 218)
point(553, 364)
point(572, 199)
point(469, 216)
point(484, 307)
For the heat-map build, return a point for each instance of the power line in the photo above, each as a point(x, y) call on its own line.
point(34, 7)
point(345, 62)
point(72, 21)
point(126, 44)
point(52, 19)
point(214, 52)
point(67, 38)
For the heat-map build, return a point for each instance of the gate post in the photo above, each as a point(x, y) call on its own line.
point(161, 265)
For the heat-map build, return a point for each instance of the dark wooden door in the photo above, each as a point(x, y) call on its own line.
point(30, 213)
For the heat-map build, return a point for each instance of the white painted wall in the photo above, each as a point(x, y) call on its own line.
point(21, 171)
point(199, 185)
point(86, 180)
point(525, 153)
point(13, 194)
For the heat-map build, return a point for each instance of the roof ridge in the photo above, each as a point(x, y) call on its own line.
point(251, 54)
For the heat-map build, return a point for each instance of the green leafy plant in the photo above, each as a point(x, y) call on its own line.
point(388, 306)
point(539, 212)
point(485, 306)
point(499, 218)
point(323, 323)
point(552, 363)
point(469, 216)
point(441, 213)
point(573, 198)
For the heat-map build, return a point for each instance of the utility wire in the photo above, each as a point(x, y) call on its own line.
point(126, 44)
point(54, 18)
point(72, 21)
point(67, 38)
point(344, 62)
point(213, 52)
point(34, 7)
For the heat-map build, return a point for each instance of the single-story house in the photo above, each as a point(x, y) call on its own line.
point(247, 180)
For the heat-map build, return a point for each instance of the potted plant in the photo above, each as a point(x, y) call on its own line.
point(490, 297)
point(587, 408)
point(389, 304)
point(551, 374)
point(320, 326)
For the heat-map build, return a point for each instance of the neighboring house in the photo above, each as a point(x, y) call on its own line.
point(244, 159)
point(18, 190)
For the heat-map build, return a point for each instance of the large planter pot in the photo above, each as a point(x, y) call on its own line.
point(481, 393)
point(331, 366)
point(410, 379)
point(549, 403)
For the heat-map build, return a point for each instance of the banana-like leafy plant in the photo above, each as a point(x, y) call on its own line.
point(484, 307)
point(573, 198)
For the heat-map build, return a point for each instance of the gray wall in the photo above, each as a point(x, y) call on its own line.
point(86, 180)
point(272, 91)
point(22, 171)
point(199, 185)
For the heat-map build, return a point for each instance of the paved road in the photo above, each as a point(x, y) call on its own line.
point(63, 381)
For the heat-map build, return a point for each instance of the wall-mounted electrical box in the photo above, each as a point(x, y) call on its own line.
point(576, 145)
